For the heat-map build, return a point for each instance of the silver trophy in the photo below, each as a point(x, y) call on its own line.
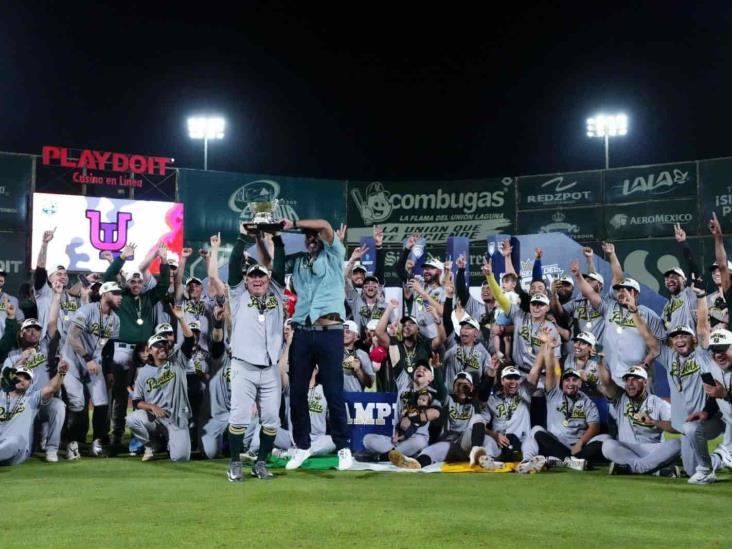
point(260, 216)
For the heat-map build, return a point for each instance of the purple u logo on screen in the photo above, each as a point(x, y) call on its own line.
point(102, 235)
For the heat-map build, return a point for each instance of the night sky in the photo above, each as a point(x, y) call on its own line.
point(368, 91)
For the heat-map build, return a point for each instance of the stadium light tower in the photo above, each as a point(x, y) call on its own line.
point(206, 127)
point(607, 126)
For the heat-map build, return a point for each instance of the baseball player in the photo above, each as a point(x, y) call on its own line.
point(417, 406)
point(18, 409)
point(460, 433)
point(219, 387)
point(573, 422)
point(93, 327)
point(257, 310)
point(468, 356)
point(160, 397)
point(5, 299)
point(484, 311)
point(358, 374)
point(641, 420)
point(680, 310)
point(32, 354)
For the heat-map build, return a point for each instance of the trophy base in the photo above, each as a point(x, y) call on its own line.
point(252, 227)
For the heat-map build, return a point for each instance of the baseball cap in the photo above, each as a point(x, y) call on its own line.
point(636, 371)
point(571, 372)
point(163, 328)
point(371, 278)
point(564, 279)
point(470, 322)
point(715, 265)
point(627, 283)
point(424, 363)
point(108, 287)
point(359, 267)
point(676, 330)
point(719, 340)
point(539, 298)
point(410, 318)
point(595, 276)
point(193, 279)
point(173, 259)
point(257, 268)
point(156, 338)
point(24, 370)
point(195, 325)
point(57, 269)
point(134, 273)
point(676, 270)
point(434, 262)
point(463, 375)
point(510, 371)
point(351, 326)
point(372, 324)
point(31, 323)
point(587, 337)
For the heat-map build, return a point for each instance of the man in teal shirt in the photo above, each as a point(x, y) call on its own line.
point(318, 339)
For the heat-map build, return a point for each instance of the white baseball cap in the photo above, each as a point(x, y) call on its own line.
point(350, 326)
point(470, 322)
point(172, 259)
point(677, 271)
point(134, 273)
point(720, 338)
point(636, 371)
point(434, 262)
point(409, 318)
point(109, 287)
point(25, 370)
point(257, 268)
point(628, 283)
point(156, 338)
point(571, 372)
point(193, 279)
point(587, 337)
point(164, 328)
point(564, 279)
point(676, 330)
point(595, 276)
point(539, 297)
point(715, 265)
point(359, 267)
point(31, 323)
point(195, 325)
point(463, 375)
point(510, 371)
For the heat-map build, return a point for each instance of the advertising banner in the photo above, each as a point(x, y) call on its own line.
point(659, 182)
point(715, 180)
point(568, 189)
point(218, 199)
point(16, 172)
point(651, 219)
point(86, 227)
point(13, 259)
point(370, 413)
point(473, 209)
point(582, 224)
point(102, 173)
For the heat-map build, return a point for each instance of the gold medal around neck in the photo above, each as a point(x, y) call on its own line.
point(619, 329)
point(565, 423)
point(260, 318)
point(140, 322)
point(588, 325)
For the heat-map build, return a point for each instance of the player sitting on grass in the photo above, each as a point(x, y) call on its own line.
point(417, 406)
point(572, 437)
point(160, 397)
point(464, 428)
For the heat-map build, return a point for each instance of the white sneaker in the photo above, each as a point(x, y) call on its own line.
point(724, 456)
point(476, 452)
point(51, 456)
point(72, 451)
point(576, 464)
point(487, 462)
point(298, 457)
point(345, 459)
point(555, 463)
point(249, 456)
point(533, 465)
point(279, 453)
point(149, 454)
point(96, 448)
point(703, 476)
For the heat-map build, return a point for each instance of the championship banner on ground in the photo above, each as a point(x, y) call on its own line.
point(220, 199)
point(86, 227)
point(659, 182)
point(103, 173)
point(369, 413)
point(474, 209)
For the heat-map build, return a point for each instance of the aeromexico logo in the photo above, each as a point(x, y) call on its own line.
point(108, 237)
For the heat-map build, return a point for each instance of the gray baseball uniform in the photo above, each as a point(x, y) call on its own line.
point(473, 359)
point(201, 311)
point(320, 442)
point(16, 425)
point(526, 342)
point(511, 413)
point(568, 418)
point(680, 310)
point(19, 316)
point(586, 317)
point(220, 402)
point(96, 330)
point(350, 381)
point(68, 306)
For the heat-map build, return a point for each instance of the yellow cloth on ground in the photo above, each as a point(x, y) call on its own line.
point(508, 467)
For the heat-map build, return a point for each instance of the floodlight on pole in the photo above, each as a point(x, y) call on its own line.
point(607, 126)
point(206, 127)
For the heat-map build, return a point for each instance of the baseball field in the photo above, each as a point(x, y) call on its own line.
point(122, 502)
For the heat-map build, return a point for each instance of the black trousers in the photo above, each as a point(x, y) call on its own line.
point(549, 445)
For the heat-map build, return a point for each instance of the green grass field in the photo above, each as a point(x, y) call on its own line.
point(122, 502)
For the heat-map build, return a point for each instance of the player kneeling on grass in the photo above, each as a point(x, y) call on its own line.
point(160, 397)
point(641, 420)
point(572, 438)
point(417, 406)
point(464, 428)
point(18, 409)
point(510, 425)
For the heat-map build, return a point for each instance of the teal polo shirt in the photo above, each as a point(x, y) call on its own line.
point(319, 283)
